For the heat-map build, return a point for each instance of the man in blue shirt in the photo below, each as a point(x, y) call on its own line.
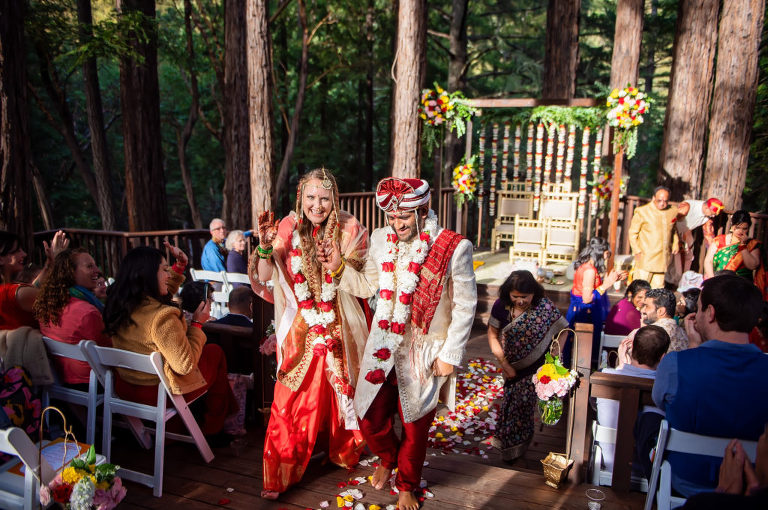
point(214, 254)
point(718, 388)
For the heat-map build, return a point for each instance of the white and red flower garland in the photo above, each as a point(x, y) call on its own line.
point(399, 276)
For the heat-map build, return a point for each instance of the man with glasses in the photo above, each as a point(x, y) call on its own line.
point(653, 238)
point(214, 252)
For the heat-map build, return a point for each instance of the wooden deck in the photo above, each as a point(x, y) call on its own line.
point(456, 480)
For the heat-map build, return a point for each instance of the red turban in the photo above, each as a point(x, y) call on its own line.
point(715, 205)
point(405, 194)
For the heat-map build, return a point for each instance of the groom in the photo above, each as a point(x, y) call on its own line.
point(426, 304)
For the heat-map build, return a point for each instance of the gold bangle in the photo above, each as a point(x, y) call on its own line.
point(601, 292)
point(337, 274)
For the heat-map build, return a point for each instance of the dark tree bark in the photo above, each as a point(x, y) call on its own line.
point(46, 213)
point(690, 91)
point(625, 62)
point(102, 170)
point(730, 126)
point(562, 51)
point(15, 177)
point(259, 107)
point(457, 80)
point(140, 99)
point(369, 105)
point(649, 69)
point(405, 160)
point(236, 209)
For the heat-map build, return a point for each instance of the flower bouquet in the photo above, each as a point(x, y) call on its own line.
point(85, 486)
point(552, 382)
point(626, 108)
point(439, 108)
point(464, 182)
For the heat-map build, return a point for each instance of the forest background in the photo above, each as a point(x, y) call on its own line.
point(344, 121)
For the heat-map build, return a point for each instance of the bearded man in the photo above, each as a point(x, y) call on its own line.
point(424, 312)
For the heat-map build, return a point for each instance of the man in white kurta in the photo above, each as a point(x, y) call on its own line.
point(427, 295)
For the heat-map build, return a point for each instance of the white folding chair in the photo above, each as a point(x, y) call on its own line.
point(90, 399)
point(511, 203)
point(556, 205)
point(17, 492)
point(673, 440)
point(220, 297)
point(562, 242)
point(160, 413)
point(237, 278)
point(610, 341)
point(603, 436)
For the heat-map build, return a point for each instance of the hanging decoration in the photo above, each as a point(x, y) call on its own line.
point(626, 108)
point(494, 161)
point(560, 154)
point(440, 109)
point(583, 173)
point(516, 155)
point(464, 181)
point(481, 169)
point(550, 154)
point(505, 157)
point(529, 159)
point(596, 172)
point(569, 155)
point(537, 177)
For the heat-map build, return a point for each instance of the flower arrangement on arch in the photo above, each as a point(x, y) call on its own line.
point(626, 108)
point(552, 382)
point(85, 486)
point(440, 109)
point(464, 181)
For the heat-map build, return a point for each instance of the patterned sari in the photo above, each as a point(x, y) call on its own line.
point(730, 256)
point(525, 340)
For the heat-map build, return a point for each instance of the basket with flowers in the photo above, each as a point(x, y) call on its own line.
point(439, 109)
point(626, 108)
point(464, 182)
point(552, 382)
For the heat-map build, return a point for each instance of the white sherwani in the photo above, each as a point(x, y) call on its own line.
point(447, 336)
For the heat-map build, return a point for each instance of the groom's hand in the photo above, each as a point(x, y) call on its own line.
point(441, 368)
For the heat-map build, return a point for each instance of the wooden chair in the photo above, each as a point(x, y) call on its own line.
point(562, 245)
point(673, 440)
point(510, 204)
point(159, 413)
point(90, 399)
point(558, 206)
point(529, 239)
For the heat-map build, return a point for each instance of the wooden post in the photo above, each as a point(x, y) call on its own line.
point(582, 434)
point(618, 167)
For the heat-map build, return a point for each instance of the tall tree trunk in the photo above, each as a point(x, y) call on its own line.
point(102, 169)
point(625, 62)
point(15, 178)
point(282, 176)
point(183, 135)
point(690, 91)
point(730, 126)
point(457, 80)
point(368, 176)
point(649, 69)
point(259, 107)
point(562, 50)
point(140, 100)
point(237, 194)
point(46, 213)
point(405, 160)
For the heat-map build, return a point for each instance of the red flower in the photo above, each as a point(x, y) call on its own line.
point(545, 379)
point(384, 324)
point(424, 236)
point(398, 328)
point(385, 294)
point(328, 278)
point(295, 252)
point(392, 238)
point(318, 329)
point(388, 267)
point(376, 376)
point(325, 306)
point(299, 278)
point(621, 100)
point(319, 350)
point(414, 267)
point(306, 304)
point(331, 343)
point(61, 493)
point(406, 298)
point(383, 354)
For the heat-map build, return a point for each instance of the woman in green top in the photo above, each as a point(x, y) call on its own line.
point(734, 251)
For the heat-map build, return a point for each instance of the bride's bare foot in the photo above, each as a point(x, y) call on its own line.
point(270, 494)
point(380, 477)
point(407, 501)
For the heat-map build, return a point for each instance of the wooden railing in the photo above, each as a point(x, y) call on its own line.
point(363, 207)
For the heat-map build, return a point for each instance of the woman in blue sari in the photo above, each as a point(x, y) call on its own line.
point(589, 302)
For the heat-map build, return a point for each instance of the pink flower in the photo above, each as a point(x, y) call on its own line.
point(414, 267)
point(325, 306)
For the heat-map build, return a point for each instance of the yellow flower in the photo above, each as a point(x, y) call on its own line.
point(339, 501)
point(374, 507)
point(349, 497)
point(103, 485)
point(71, 475)
point(615, 93)
point(439, 435)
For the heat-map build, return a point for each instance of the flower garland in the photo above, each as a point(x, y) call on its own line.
point(505, 157)
point(516, 155)
point(399, 276)
point(596, 171)
point(626, 108)
point(439, 107)
point(318, 316)
point(464, 182)
point(550, 153)
point(529, 160)
point(583, 172)
point(494, 159)
point(560, 153)
point(537, 174)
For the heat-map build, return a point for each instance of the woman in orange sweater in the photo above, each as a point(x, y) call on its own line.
point(139, 317)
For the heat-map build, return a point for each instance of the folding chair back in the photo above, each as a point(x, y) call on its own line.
point(17, 492)
point(511, 203)
point(559, 206)
point(211, 276)
point(109, 359)
point(220, 297)
point(603, 438)
point(562, 242)
point(236, 278)
point(529, 240)
point(673, 440)
point(90, 399)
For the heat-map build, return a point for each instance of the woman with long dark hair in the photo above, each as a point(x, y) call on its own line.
point(520, 329)
point(589, 302)
point(139, 317)
point(734, 251)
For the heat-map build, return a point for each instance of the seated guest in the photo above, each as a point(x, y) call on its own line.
point(214, 252)
point(101, 288)
point(714, 389)
point(625, 315)
point(240, 308)
point(139, 317)
point(192, 295)
point(638, 357)
point(686, 304)
point(237, 259)
point(659, 309)
point(68, 310)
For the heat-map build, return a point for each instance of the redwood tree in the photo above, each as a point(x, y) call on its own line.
point(730, 127)
point(628, 35)
point(690, 92)
point(562, 49)
point(405, 158)
point(140, 101)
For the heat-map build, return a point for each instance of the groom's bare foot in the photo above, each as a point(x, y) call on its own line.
point(270, 494)
point(380, 477)
point(407, 501)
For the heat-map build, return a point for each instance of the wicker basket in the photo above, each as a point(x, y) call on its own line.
point(556, 466)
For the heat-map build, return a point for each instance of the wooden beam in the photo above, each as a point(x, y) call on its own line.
point(618, 168)
point(528, 102)
point(581, 432)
